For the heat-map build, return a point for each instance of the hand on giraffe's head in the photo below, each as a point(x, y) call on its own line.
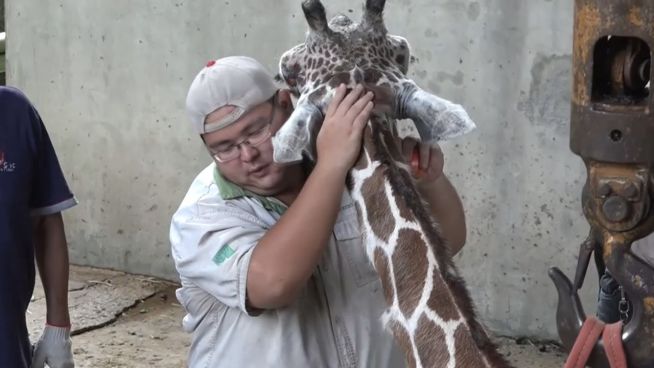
point(342, 51)
point(339, 140)
point(426, 161)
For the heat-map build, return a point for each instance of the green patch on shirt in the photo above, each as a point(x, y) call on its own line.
point(223, 254)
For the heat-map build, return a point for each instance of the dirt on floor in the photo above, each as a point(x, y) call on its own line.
point(122, 320)
point(147, 335)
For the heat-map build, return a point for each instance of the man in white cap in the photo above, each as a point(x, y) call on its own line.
point(270, 257)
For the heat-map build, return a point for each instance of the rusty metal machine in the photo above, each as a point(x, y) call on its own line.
point(612, 130)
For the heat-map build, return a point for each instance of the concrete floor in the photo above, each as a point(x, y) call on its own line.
point(122, 320)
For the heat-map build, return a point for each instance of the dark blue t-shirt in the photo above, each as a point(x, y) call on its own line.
point(31, 183)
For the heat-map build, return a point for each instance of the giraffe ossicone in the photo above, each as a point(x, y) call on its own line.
point(429, 310)
point(341, 51)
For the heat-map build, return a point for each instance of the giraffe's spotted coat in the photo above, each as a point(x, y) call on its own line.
point(378, 210)
point(426, 333)
point(410, 270)
point(380, 262)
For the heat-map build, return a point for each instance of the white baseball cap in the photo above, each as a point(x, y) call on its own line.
point(238, 81)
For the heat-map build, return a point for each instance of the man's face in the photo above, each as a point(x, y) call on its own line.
point(252, 166)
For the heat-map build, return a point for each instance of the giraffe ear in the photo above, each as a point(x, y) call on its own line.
point(436, 119)
point(290, 70)
point(315, 14)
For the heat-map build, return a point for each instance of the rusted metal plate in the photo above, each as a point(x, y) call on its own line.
point(611, 107)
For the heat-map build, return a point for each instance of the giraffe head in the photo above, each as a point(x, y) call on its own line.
point(342, 51)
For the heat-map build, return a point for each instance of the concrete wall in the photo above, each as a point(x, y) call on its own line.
point(110, 78)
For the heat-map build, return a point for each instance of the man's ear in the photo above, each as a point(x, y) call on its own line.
point(284, 99)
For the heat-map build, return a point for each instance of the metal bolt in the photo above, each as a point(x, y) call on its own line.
point(631, 191)
point(616, 209)
point(616, 135)
point(604, 190)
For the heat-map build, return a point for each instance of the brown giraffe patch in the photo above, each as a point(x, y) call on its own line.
point(440, 300)
point(371, 75)
point(381, 266)
point(404, 341)
point(339, 78)
point(430, 343)
point(409, 269)
point(466, 353)
point(380, 218)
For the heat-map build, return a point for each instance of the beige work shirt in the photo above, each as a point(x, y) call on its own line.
point(335, 322)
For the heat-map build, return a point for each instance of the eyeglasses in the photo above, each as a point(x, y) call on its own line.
point(255, 137)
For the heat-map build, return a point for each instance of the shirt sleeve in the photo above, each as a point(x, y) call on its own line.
point(50, 193)
point(213, 251)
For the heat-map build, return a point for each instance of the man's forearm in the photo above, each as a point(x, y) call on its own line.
point(447, 209)
point(286, 256)
point(51, 253)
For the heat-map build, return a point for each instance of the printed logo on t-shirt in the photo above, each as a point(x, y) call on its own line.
point(223, 254)
point(6, 166)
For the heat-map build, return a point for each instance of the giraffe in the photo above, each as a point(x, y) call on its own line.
point(430, 313)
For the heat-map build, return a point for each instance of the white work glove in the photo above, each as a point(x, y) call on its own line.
point(54, 348)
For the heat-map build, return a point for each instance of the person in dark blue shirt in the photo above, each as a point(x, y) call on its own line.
point(33, 192)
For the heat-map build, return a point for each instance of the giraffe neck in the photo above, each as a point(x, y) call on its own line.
point(429, 310)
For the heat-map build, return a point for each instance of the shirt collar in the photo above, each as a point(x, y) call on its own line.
point(229, 190)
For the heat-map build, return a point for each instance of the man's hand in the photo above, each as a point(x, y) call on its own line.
point(426, 162)
point(339, 140)
point(427, 168)
point(53, 348)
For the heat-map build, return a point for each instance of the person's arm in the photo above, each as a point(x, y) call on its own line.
point(286, 256)
point(51, 253)
point(54, 347)
point(436, 189)
point(447, 209)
